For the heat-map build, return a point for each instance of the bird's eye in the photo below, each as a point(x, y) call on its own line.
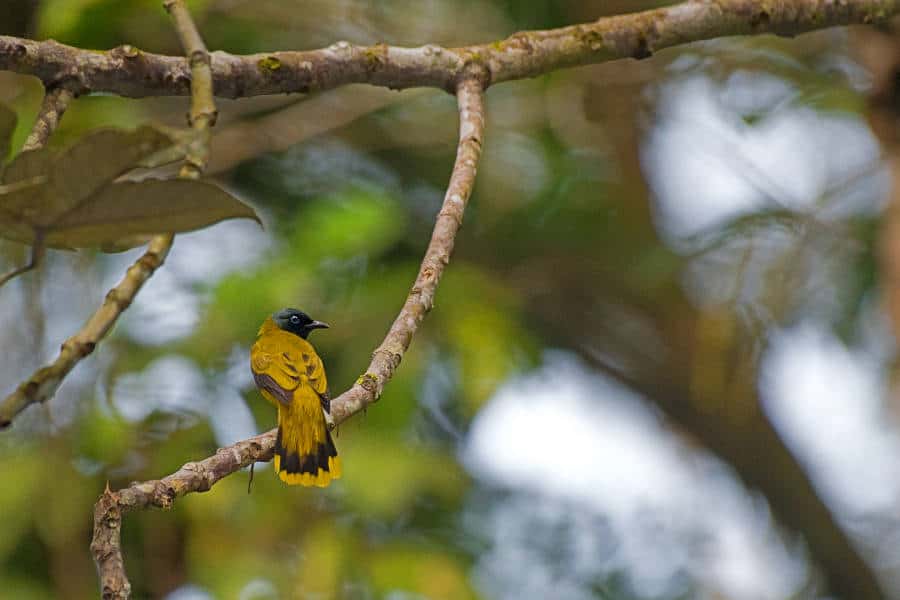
point(295, 320)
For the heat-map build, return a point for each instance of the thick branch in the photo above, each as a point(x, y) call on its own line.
point(44, 382)
point(127, 71)
point(201, 476)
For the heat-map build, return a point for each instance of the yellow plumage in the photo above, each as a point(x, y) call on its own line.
point(290, 375)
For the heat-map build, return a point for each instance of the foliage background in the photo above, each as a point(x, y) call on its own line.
point(733, 185)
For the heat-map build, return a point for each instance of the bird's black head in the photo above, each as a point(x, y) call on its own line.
point(297, 322)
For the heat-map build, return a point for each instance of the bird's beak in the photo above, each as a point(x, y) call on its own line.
point(318, 325)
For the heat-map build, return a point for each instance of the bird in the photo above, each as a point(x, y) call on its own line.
point(290, 375)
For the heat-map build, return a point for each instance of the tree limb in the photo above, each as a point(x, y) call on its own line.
point(201, 476)
point(203, 108)
point(128, 71)
point(420, 300)
point(45, 381)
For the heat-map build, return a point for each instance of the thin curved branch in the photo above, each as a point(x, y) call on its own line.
point(45, 381)
point(202, 115)
point(420, 300)
point(128, 71)
point(201, 476)
point(37, 255)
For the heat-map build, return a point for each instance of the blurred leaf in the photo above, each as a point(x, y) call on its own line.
point(7, 127)
point(432, 574)
point(26, 470)
point(70, 200)
point(97, 159)
point(62, 523)
point(321, 557)
point(484, 329)
point(830, 98)
point(28, 166)
point(240, 303)
point(130, 209)
point(386, 475)
point(103, 438)
point(356, 222)
point(53, 182)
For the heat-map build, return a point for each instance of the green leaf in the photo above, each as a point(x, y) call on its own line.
point(75, 174)
point(99, 158)
point(29, 165)
point(354, 222)
point(71, 199)
point(7, 127)
point(123, 210)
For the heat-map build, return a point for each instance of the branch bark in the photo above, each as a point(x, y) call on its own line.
point(202, 115)
point(420, 300)
point(128, 71)
point(56, 101)
point(201, 476)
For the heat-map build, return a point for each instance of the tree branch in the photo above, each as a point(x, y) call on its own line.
point(45, 381)
point(201, 476)
point(127, 71)
point(203, 108)
point(420, 300)
point(56, 101)
point(192, 477)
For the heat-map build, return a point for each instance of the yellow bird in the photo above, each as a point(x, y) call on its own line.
point(290, 375)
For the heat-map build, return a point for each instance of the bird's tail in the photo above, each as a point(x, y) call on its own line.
point(305, 453)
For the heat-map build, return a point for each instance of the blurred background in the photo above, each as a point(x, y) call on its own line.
point(663, 346)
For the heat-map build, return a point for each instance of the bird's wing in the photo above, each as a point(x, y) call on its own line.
point(275, 372)
point(315, 371)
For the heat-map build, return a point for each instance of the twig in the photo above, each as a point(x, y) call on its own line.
point(130, 72)
point(201, 476)
point(45, 381)
point(202, 115)
point(37, 254)
point(55, 103)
